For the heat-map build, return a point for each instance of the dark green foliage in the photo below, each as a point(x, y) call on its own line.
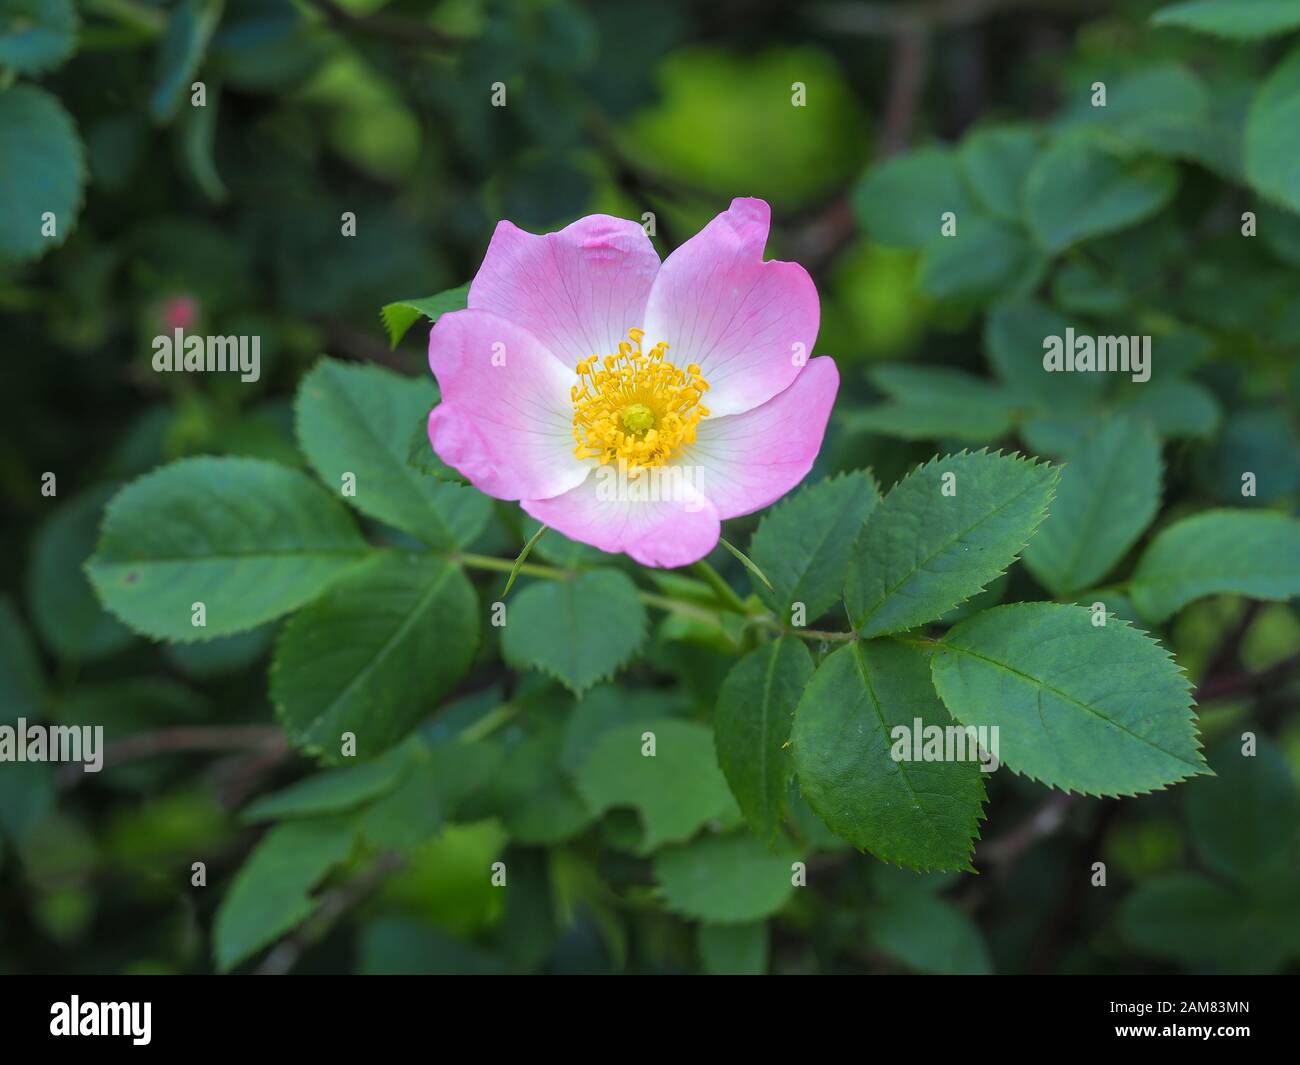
point(292, 619)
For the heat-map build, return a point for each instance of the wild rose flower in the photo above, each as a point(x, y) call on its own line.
point(632, 404)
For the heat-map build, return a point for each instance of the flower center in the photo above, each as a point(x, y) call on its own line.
point(635, 407)
point(637, 418)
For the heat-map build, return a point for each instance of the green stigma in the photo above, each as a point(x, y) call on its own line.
point(638, 418)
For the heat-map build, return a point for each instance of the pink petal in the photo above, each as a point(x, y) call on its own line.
point(716, 303)
point(744, 462)
point(577, 291)
point(508, 427)
point(673, 531)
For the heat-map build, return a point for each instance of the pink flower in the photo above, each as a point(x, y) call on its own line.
point(179, 312)
point(632, 404)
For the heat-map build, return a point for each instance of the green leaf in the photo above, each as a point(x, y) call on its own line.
point(607, 706)
point(733, 949)
point(42, 172)
point(927, 547)
point(400, 315)
point(1014, 333)
point(920, 814)
point(1263, 440)
point(752, 724)
point(1242, 20)
point(928, 402)
point(1162, 108)
point(901, 202)
point(1245, 821)
point(928, 420)
point(36, 35)
point(1280, 231)
point(1082, 288)
point(198, 136)
point(725, 879)
point(225, 654)
point(420, 455)
point(333, 790)
point(803, 544)
point(351, 420)
point(1198, 921)
point(677, 790)
point(412, 812)
point(928, 934)
point(534, 799)
point(996, 160)
point(1078, 189)
point(66, 613)
point(22, 684)
point(180, 51)
point(579, 631)
point(1174, 407)
point(271, 892)
point(1109, 492)
point(1237, 552)
point(983, 259)
point(27, 797)
point(1112, 602)
point(249, 539)
point(375, 653)
point(1273, 134)
point(1102, 710)
point(395, 946)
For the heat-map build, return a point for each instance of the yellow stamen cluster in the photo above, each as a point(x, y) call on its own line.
point(635, 408)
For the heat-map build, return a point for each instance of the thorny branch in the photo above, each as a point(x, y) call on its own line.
point(891, 20)
point(406, 31)
point(262, 739)
point(333, 905)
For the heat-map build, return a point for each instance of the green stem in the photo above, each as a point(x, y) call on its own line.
point(680, 606)
point(814, 635)
point(554, 573)
point(505, 565)
point(489, 723)
point(729, 601)
point(727, 596)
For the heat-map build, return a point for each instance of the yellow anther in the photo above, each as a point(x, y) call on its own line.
point(639, 409)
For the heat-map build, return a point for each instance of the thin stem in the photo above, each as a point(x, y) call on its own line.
point(554, 573)
point(505, 565)
point(333, 905)
point(817, 635)
point(407, 31)
point(680, 606)
point(727, 596)
point(184, 738)
point(489, 722)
